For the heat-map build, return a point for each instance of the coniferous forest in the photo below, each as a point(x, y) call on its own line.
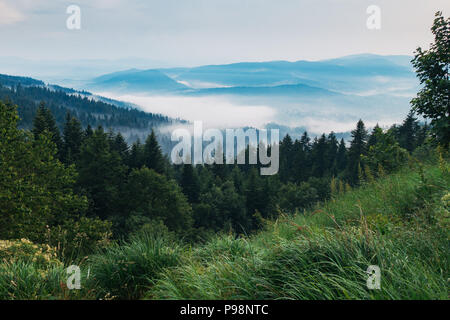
point(28, 94)
point(74, 191)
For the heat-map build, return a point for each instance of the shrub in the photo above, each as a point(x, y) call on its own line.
point(33, 271)
point(42, 256)
point(76, 238)
point(24, 280)
point(125, 271)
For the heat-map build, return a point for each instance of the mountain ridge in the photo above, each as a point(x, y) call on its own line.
point(332, 75)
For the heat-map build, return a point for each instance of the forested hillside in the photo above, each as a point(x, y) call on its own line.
point(152, 230)
point(142, 227)
point(134, 185)
point(28, 93)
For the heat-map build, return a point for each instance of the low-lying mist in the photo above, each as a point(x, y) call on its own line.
point(214, 111)
point(338, 114)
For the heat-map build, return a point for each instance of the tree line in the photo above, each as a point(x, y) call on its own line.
point(80, 187)
point(27, 93)
point(94, 179)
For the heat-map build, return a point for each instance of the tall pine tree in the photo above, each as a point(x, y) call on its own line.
point(189, 183)
point(153, 157)
point(407, 132)
point(44, 121)
point(358, 147)
point(73, 138)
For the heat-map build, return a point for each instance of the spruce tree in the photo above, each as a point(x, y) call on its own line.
point(408, 132)
point(341, 157)
point(319, 150)
point(119, 145)
point(286, 154)
point(44, 121)
point(299, 170)
point(331, 153)
point(238, 179)
point(36, 192)
point(153, 157)
point(101, 174)
point(358, 147)
point(88, 132)
point(136, 159)
point(254, 192)
point(73, 138)
point(189, 183)
point(373, 136)
point(306, 142)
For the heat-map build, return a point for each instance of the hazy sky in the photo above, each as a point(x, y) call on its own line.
point(194, 32)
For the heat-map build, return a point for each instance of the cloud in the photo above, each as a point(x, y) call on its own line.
point(200, 32)
point(9, 14)
point(215, 112)
point(105, 4)
point(316, 117)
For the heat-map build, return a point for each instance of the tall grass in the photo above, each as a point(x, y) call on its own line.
point(22, 280)
point(126, 271)
point(26, 280)
point(322, 265)
point(398, 222)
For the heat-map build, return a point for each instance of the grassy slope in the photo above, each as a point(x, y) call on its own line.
point(398, 222)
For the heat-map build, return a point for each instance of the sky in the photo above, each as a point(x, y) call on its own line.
point(198, 32)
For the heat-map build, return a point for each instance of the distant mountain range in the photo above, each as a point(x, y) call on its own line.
point(359, 74)
point(137, 81)
point(320, 96)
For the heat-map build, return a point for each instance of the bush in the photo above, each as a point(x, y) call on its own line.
point(296, 197)
point(42, 256)
point(24, 280)
point(76, 238)
point(126, 271)
point(32, 271)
